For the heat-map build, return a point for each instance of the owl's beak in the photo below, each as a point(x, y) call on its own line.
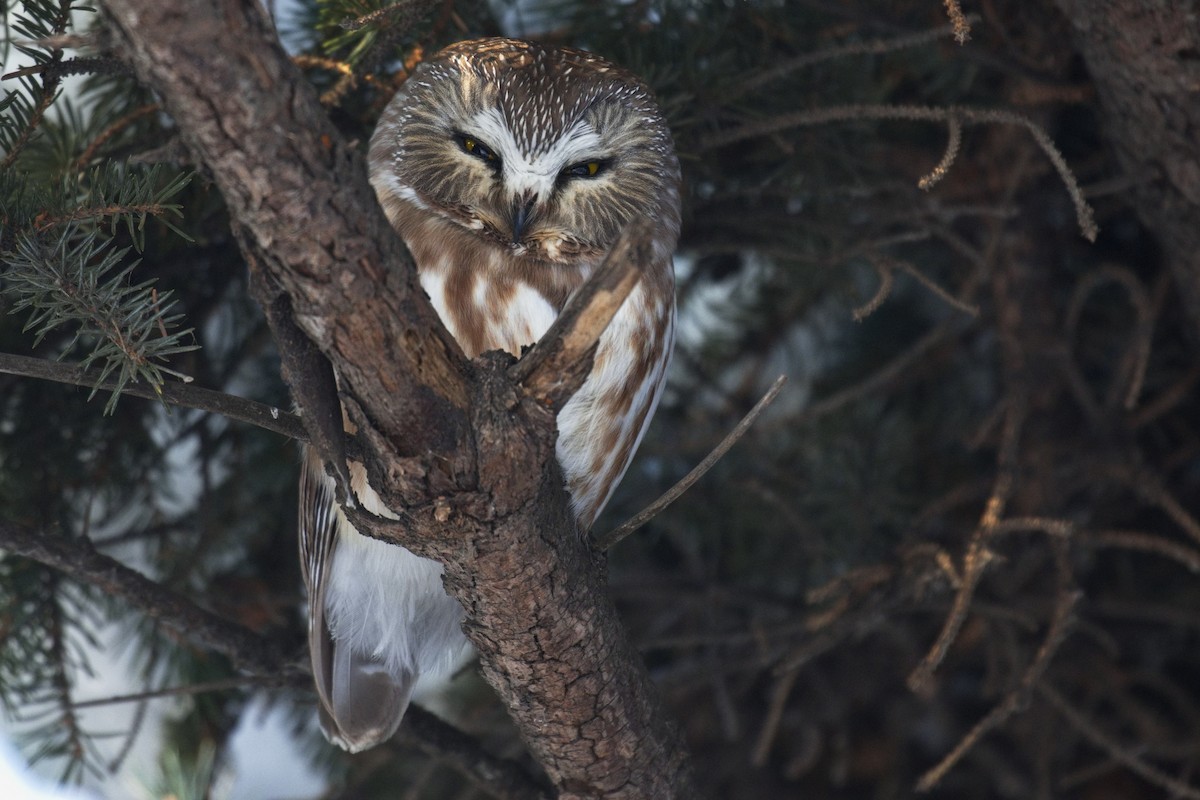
point(522, 213)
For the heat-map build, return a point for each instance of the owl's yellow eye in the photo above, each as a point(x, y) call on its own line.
point(474, 147)
point(584, 169)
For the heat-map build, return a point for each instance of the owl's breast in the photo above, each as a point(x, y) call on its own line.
point(485, 297)
point(484, 313)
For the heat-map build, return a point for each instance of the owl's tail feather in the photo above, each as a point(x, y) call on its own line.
point(365, 701)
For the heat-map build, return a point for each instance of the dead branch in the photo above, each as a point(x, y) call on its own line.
point(1017, 697)
point(1119, 753)
point(562, 359)
point(671, 495)
point(953, 142)
point(1125, 383)
point(960, 21)
point(978, 554)
point(965, 115)
point(867, 48)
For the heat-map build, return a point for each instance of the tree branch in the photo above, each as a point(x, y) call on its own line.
point(671, 495)
point(500, 777)
point(458, 445)
point(562, 359)
point(176, 394)
point(78, 560)
point(961, 115)
point(305, 215)
point(268, 664)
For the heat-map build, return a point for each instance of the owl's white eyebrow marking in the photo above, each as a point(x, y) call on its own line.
point(535, 171)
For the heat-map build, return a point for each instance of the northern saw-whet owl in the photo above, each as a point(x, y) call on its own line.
point(509, 168)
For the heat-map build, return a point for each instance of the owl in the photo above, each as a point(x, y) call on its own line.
point(509, 168)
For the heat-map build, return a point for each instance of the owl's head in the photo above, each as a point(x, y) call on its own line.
point(545, 152)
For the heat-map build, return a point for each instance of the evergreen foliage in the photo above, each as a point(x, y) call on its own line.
point(953, 346)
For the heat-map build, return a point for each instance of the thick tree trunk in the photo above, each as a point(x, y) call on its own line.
point(459, 445)
point(1144, 58)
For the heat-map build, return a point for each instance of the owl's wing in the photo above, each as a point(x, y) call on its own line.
point(361, 703)
point(601, 426)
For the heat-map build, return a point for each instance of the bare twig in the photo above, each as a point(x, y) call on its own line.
point(770, 728)
point(886, 267)
point(175, 394)
point(978, 554)
point(1146, 543)
point(671, 495)
point(933, 286)
point(953, 142)
point(559, 363)
point(882, 377)
point(869, 47)
point(1015, 699)
point(1152, 490)
point(887, 277)
point(960, 21)
point(1123, 755)
point(1130, 373)
point(965, 115)
point(296, 680)
point(1168, 399)
point(346, 77)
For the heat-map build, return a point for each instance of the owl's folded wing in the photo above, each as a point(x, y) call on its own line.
point(361, 703)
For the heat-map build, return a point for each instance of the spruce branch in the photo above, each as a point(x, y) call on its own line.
point(249, 652)
point(74, 66)
point(78, 560)
point(42, 21)
point(83, 282)
point(173, 393)
point(357, 27)
point(25, 118)
point(112, 130)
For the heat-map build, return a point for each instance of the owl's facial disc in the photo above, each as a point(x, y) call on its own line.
point(522, 194)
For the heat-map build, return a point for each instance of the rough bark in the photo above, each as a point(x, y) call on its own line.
point(1144, 58)
point(459, 445)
